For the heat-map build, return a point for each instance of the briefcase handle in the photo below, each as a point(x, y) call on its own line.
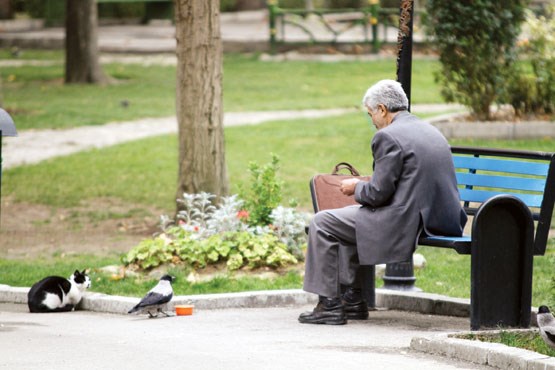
point(345, 166)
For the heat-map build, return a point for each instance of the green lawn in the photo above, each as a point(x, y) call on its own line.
point(145, 171)
point(37, 97)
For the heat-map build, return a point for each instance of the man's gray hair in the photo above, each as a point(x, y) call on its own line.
point(387, 92)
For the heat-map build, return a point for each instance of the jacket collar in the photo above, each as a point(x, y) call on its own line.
point(400, 115)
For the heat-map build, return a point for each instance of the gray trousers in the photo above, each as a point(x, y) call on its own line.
point(331, 258)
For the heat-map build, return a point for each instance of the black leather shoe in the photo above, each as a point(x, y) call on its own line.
point(328, 311)
point(356, 308)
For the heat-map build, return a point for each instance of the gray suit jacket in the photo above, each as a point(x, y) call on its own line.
point(413, 188)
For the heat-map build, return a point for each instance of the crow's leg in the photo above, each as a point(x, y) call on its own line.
point(165, 313)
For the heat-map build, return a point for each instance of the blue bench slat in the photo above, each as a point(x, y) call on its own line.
point(472, 195)
point(456, 239)
point(502, 182)
point(501, 165)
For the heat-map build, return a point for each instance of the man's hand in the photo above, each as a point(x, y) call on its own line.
point(348, 186)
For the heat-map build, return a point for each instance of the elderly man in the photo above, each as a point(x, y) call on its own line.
point(413, 189)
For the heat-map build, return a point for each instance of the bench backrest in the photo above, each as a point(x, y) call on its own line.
point(529, 176)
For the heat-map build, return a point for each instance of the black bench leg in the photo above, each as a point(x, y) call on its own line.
point(400, 276)
point(502, 258)
point(366, 276)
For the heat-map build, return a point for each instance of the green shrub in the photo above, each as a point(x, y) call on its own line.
point(475, 40)
point(534, 93)
point(228, 5)
point(331, 4)
point(291, 4)
point(338, 4)
point(522, 93)
point(37, 8)
point(236, 249)
point(121, 10)
point(264, 234)
point(54, 10)
point(390, 3)
point(150, 253)
point(264, 193)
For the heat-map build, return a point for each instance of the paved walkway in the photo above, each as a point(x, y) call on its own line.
point(242, 339)
point(251, 330)
point(33, 146)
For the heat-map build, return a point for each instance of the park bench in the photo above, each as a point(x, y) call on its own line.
point(510, 195)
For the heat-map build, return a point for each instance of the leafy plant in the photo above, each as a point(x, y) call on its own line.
point(237, 249)
point(289, 227)
point(476, 46)
point(196, 210)
point(535, 92)
point(265, 192)
point(150, 253)
point(264, 235)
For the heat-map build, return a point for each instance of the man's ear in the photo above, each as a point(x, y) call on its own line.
point(383, 110)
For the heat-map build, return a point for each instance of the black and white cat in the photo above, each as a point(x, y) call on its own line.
point(58, 294)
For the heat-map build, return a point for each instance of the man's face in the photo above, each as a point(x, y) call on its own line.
point(378, 116)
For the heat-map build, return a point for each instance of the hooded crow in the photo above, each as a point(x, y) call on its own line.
point(156, 299)
point(546, 323)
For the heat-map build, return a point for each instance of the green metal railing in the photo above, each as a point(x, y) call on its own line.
point(366, 17)
point(370, 18)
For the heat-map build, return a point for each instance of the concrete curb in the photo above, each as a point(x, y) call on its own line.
point(120, 305)
point(10, 294)
point(425, 303)
point(483, 353)
point(98, 302)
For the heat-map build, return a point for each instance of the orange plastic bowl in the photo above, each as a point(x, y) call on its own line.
point(184, 310)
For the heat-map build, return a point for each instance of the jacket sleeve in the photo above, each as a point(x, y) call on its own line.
point(388, 164)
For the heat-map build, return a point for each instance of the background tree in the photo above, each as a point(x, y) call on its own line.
point(82, 56)
point(476, 42)
point(199, 98)
point(532, 91)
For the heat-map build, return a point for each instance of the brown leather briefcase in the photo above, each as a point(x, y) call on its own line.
point(325, 188)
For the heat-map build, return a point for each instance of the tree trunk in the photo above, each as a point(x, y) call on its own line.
point(82, 56)
point(6, 9)
point(199, 98)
